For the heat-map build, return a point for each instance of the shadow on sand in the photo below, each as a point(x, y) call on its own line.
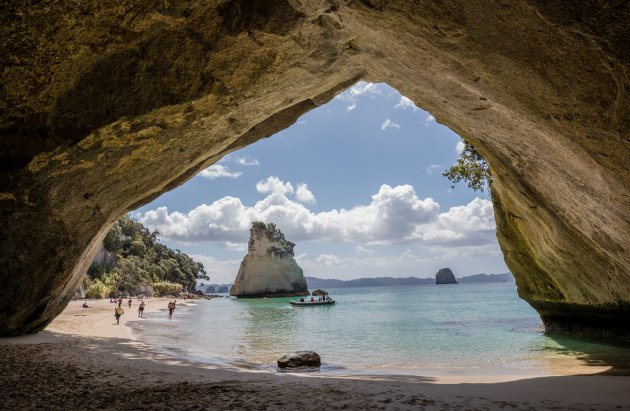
point(50, 371)
point(594, 352)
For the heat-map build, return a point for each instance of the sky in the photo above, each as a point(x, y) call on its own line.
point(356, 184)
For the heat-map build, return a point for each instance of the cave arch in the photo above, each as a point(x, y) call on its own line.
point(105, 107)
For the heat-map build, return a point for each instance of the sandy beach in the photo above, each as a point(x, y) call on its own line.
point(84, 360)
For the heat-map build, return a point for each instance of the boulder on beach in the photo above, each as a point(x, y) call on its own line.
point(300, 359)
point(445, 276)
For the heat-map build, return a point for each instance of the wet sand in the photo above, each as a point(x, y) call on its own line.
point(84, 360)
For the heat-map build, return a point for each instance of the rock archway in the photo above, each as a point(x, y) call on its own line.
point(106, 105)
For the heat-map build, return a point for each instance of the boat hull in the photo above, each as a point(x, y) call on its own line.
point(308, 303)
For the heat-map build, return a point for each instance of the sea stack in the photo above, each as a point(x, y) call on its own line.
point(269, 269)
point(445, 276)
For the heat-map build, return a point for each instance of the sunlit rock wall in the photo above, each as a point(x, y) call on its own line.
point(106, 105)
point(269, 269)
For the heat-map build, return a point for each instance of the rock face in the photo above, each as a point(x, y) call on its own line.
point(269, 269)
point(445, 276)
point(300, 359)
point(105, 257)
point(106, 105)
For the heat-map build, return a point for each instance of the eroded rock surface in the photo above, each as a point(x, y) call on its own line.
point(269, 269)
point(106, 105)
point(445, 276)
point(300, 359)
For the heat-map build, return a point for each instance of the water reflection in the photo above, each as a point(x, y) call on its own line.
point(268, 327)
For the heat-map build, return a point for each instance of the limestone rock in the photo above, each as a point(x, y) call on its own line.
point(300, 359)
point(106, 105)
point(269, 269)
point(105, 257)
point(445, 276)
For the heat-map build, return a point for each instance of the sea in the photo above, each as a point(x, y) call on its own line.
point(473, 329)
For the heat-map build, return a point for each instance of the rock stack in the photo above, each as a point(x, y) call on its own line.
point(269, 269)
point(445, 276)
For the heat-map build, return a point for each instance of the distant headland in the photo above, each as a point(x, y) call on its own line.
point(314, 282)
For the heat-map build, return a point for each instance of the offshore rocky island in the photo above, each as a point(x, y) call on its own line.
point(269, 269)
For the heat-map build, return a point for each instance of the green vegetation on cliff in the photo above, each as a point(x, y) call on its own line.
point(472, 168)
point(141, 262)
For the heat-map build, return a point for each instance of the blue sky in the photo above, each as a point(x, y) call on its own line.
point(356, 184)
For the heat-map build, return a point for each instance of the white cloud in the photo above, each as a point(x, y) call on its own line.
point(395, 215)
point(304, 195)
point(362, 88)
point(408, 255)
point(247, 162)
point(459, 147)
point(328, 260)
point(429, 119)
point(358, 91)
point(364, 251)
point(433, 167)
point(389, 124)
point(367, 266)
point(217, 171)
point(274, 185)
point(219, 271)
point(224, 220)
point(469, 225)
point(448, 253)
point(405, 103)
point(234, 246)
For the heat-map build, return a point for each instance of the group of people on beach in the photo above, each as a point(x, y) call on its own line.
point(118, 311)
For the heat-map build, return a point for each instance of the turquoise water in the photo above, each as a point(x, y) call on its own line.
point(460, 328)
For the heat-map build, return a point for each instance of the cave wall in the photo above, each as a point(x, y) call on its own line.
point(107, 105)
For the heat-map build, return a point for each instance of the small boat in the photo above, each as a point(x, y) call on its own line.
point(325, 300)
point(303, 303)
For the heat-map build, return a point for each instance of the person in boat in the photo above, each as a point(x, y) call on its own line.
point(301, 299)
point(312, 299)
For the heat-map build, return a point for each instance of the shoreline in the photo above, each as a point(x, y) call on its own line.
point(543, 366)
point(83, 359)
point(81, 322)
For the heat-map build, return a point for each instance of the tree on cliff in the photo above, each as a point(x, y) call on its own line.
point(141, 260)
point(472, 168)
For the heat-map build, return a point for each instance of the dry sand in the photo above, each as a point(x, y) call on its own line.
point(84, 360)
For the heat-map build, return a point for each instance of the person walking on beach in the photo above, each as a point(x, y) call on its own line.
point(118, 311)
point(171, 307)
point(129, 302)
point(141, 309)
